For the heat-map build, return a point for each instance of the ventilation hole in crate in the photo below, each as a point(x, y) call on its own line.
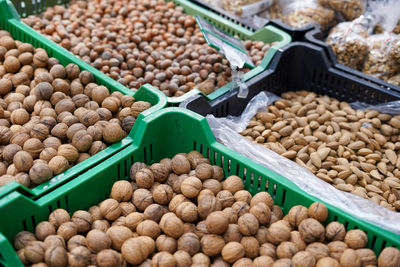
point(33, 220)
point(373, 241)
point(208, 152)
point(237, 171)
point(383, 245)
point(194, 145)
point(227, 108)
point(24, 225)
point(50, 209)
point(283, 197)
point(151, 152)
point(126, 169)
point(346, 224)
point(335, 218)
point(119, 171)
point(66, 203)
point(201, 148)
point(145, 155)
point(229, 165)
point(266, 185)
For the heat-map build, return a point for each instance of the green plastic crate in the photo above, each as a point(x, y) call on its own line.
point(146, 93)
point(266, 34)
point(163, 134)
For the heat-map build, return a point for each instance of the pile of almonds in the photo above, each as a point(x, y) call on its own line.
point(51, 116)
point(357, 151)
point(141, 41)
point(180, 212)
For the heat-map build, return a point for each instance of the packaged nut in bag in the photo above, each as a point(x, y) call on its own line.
point(246, 8)
point(348, 9)
point(349, 42)
point(379, 62)
point(301, 13)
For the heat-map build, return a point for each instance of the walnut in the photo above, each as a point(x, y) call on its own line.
point(144, 178)
point(137, 166)
point(297, 214)
point(263, 261)
point(54, 240)
point(243, 262)
point(139, 106)
point(83, 220)
point(335, 231)
point(171, 225)
point(248, 224)
point(327, 262)
point(135, 250)
point(160, 172)
point(311, 230)
point(286, 249)
point(133, 220)
point(176, 201)
point(217, 223)
point(112, 133)
point(318, 250)
point(110, 209)
point(154, 212)
point(96, 213)
point(22, 239)
point(148, 228)
point(389, 257)
point(251, 246)
point(121, 191)
point(232, 233)
point(190, 243)
point(166, 243)
point(207, 204)
point(58, 164)
point(163, 258)
point(226, 198)
point(23, 161)
point(231, 215)
point(108, 257)
point(175, 181)
point(162, 194)
point(296, 238)
point(212, 185)
point(183, 258)
point(232, 252)
point(118, 234)
point(303, 259)
point(318, 211)
point(101, 225)
point(356, 239)
point(241, 208)
point(56, 256)
point(212, 245)
point(278, 232)
point(268, 249)
point(262, 235)
point(350, 258)
point(97, 240)
point(233, 184)
point(79, 256)
point(201, 229)
point(191, 187)
point(44, 229)
point(67, 230)
point(336, 249)
point(34, 251)
point(218, 173)
point(82, 141)
point(187, 211)
point(180, 164)
point(142, 198)
point(367, 256)
point(262, 212)
point(243, 195)
point(204, 171)
point(76, 241)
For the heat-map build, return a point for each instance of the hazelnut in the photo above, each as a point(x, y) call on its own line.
point(142, 198)
point(110, 209)
point(171, 225)
point(121, 191)
point(148, 228)
point(135, 250)
point(23, 161)
point(212, 245)
point(356, 239)
point(217, 223)
point(133, 220)
point(233, 184)
point(118, 235)
point(248, 224)
point(166, 243)
point(56, 256)
point(180, 164)
point(97, 240)
point(232, 252)
point(311, 230)
point(190, 243)
point(232, 233)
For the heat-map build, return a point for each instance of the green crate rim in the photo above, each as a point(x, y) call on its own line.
point(284, 192)
point(147, 92)
point(282, 37)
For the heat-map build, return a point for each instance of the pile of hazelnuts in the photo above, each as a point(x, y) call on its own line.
point(182, 212)
point(141, 41)
point(53, 117)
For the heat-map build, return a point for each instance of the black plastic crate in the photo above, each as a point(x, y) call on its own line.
point(298, 66)
point(316, 37)
point(297, 34)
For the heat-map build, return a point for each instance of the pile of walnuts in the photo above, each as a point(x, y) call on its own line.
point(180, 212)
point(51, 116)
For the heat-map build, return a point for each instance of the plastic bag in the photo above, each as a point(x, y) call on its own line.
point(395, 50)
point(349, 43)
point(246, 8)
point(301, 13)
point(379, 62)
point(348, 9)
point(226, 131)
point(395, 80)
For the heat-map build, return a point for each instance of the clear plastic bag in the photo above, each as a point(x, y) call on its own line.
point(246, 8)
point(379, 62)
point(301, 13)
point(349, 42)
point(348, 9)
point(226, 130)
point(395, 50)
